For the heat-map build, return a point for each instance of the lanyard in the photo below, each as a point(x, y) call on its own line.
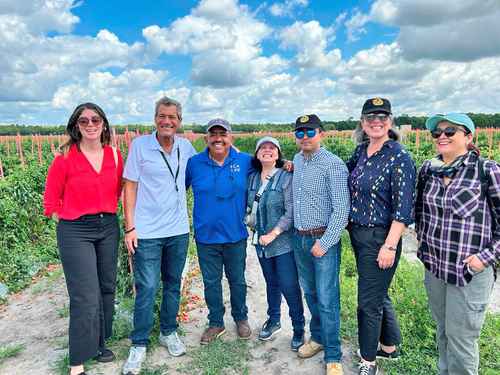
point(170, 168)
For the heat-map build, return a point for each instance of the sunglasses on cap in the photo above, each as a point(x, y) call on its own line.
point(382, 117)
point(450, 131)
point(301, 133)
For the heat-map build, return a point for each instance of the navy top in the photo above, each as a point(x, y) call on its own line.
point(382, 186)
point(220, 196)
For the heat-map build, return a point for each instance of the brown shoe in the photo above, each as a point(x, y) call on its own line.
point(334, 368)
point(244, 330)
point(210, 334)
point(309, 349)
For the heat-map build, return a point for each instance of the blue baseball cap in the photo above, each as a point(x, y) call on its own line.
point(455, 118)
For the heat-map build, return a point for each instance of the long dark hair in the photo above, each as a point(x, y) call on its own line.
point(74, 133)
point(258, 165)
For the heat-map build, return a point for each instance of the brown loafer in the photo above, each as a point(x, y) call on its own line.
point(243, 329)
point(211, 333)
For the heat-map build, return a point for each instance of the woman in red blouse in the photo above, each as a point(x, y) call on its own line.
point(82, 191)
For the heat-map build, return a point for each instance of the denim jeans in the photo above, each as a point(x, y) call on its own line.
point(377, 321)
point(231, 257)
point(319, 278)
point(165, 256)
point(88, 247)
point(280, 273)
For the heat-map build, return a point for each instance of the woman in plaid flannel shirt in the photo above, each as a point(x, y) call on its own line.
point(457, 217)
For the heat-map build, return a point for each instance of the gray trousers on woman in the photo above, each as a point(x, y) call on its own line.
point(459, 314)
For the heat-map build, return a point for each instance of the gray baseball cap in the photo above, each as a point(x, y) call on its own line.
point(267, 139)
point(218, 122)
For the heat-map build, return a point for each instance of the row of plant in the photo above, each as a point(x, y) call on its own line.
point(27, 245)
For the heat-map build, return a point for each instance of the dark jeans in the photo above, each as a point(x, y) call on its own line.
point(88, 248)
point(319, 277)
point(165, 256)
point(231, 257)
point(377, 320)
point(280, 273)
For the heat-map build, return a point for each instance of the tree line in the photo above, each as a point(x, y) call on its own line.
point(482, 120)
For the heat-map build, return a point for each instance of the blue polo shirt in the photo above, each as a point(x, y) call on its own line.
point(160, 208)
point(220, 194)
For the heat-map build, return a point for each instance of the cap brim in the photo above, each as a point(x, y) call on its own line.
point(218, 126)
point(432, 122)
point(375, 110)
point(308, 126)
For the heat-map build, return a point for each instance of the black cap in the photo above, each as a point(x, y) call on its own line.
point(376, 105)
point(308, 121)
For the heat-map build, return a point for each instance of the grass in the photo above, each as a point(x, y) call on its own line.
point(218, 357)
point(63, 312)
point(9, 351)
point(417, 327)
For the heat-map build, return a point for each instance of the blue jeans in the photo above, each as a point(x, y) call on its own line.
point(154, 256)
point(231, 257)
point(319, 278)
point(280, 273)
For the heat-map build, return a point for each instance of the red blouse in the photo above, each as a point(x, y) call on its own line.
point(73, 187)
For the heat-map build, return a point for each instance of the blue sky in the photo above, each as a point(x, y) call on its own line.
point(247, 61)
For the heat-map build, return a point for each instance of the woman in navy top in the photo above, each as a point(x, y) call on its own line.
point(382, 181)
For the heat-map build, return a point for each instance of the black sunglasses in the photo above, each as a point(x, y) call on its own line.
point(300, 133)
point(382, 117)
point(450, 131)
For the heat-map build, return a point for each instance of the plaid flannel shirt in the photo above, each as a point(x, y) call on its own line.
point(456, 221)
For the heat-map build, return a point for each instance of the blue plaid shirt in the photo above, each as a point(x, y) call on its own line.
point(456, 221)
point(321, 195)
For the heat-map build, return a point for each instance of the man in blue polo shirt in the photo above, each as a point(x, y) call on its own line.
point(157, 228)
point(218, 177)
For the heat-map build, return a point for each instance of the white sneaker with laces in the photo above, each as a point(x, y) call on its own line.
point(136, 357)
point(173, 344)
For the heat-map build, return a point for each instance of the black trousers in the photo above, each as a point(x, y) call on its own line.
point(88, 248)
point(377, 320)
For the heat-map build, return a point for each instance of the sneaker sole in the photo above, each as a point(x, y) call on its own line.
point(215, 338)
point(358, 353)
point(270, 337)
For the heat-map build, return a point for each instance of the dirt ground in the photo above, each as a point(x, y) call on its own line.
point(36, 318)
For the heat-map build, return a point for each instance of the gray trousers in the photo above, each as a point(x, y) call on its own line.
point(459, 314)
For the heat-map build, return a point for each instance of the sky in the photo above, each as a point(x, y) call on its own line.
point(246, 61)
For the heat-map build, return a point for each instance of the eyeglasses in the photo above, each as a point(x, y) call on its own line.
point(83, 121)
point(450, 131)
point(382, 117)
point(300, 133)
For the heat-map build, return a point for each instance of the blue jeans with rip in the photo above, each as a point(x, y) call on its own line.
point(213, 259)
point(319, 278)
point(154, 257)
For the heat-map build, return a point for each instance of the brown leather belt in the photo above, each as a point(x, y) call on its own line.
point(312, 232)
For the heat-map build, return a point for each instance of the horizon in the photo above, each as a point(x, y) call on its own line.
point(247, 61)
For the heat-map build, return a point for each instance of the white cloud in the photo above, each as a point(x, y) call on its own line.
point(287, 8)
point(355, 26)
point(223, 38)
point(311, 42)
point(461, 30)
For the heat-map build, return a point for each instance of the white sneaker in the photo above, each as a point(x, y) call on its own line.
point(173, 344)
point(136, 356)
